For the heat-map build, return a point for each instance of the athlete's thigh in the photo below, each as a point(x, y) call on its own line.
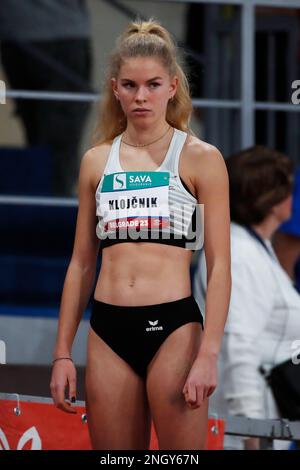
point(116, 399)
point(177, 425)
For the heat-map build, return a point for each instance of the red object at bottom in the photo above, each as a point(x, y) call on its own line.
point(41, 426)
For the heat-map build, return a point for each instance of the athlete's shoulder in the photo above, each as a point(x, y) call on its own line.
point(203, 155)
point(98, 152)
point(95, 159)
point(201, 150)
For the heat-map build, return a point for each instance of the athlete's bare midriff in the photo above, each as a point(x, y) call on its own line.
point(143, 274)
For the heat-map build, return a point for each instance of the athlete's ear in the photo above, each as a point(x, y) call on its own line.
point(113, 82)
point(173, 86)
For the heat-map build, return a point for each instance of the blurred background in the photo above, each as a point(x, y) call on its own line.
point(243, 62)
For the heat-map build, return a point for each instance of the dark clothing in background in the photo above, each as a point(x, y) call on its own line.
point(37, 20)
point(52, 55)
point(195, 40)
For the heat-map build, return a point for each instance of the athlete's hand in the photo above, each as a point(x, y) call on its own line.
point(63, 374)
point(201, 381)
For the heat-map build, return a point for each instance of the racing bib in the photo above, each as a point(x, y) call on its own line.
point(135, 201)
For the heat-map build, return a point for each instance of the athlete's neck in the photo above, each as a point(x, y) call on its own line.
point(145, 134)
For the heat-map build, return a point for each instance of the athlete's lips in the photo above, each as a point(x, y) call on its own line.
point(140, 110)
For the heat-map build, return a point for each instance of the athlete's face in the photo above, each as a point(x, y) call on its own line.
point(144, 88)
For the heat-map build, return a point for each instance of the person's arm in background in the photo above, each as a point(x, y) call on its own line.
point(77, 288)
point(251, 305)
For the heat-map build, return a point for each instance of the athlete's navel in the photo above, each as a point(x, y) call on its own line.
point(132, 282)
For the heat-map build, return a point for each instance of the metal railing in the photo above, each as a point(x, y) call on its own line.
point(247, 104)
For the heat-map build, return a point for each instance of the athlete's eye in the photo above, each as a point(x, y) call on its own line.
point(128, 85)
point(154, 84)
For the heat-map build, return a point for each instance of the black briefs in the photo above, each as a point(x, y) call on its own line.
point(135, 333)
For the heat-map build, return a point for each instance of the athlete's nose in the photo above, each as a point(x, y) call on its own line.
point(140, 96)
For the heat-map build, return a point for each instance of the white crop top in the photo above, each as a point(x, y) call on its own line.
point(148, 206)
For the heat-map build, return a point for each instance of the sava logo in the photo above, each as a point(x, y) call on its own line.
point(119, 181)
point(140, 179)
point(154, 326)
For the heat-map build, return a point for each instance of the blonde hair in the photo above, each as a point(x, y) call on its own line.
point(146, 39)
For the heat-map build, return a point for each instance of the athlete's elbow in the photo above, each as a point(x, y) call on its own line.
point(221, 271)
point(84, 267)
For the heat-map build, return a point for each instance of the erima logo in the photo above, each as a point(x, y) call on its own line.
point(119, 181)
point(153, 326)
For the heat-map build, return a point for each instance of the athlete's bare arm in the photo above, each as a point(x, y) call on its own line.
point(210, 179)
point(78, 283)
point(212, 186)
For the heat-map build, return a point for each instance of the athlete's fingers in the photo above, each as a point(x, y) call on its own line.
point(57, 392)
point(200, 394)
point(72, 389)
point(59, 399)
point(191, 394)
point(65, 406)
